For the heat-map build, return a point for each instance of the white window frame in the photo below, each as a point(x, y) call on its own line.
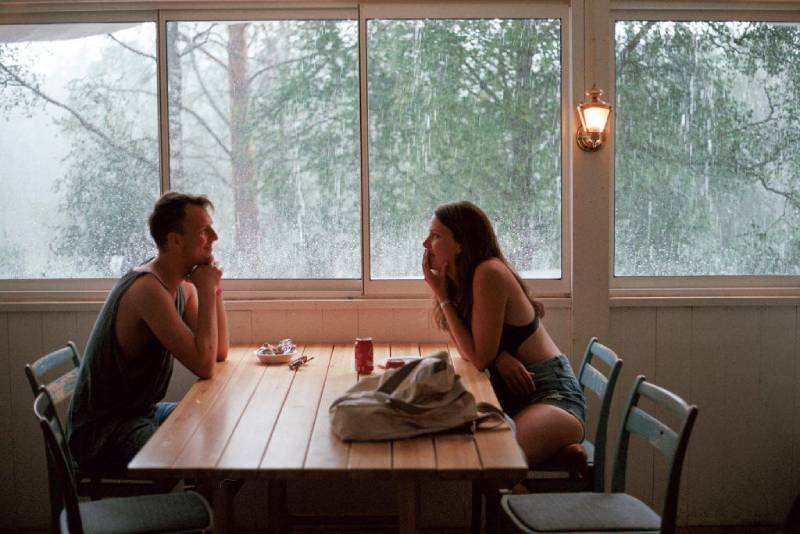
point(702, 285)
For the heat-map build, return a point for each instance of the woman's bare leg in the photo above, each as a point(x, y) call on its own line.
point(543, 430)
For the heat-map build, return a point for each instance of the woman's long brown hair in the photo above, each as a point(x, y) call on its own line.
point(473, 230)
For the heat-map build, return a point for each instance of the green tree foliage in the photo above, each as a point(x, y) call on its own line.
point(264, 117)
point(464, 110)
point(705, 181)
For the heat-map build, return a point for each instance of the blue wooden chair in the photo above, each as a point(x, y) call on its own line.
point(57, 372)
point(589, 477)
point(616, 511)
point(168, 512)
point(552, 476)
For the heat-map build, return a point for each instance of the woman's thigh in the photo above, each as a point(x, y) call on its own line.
point(543, 429)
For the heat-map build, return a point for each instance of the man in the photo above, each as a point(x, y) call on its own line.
point(170, 305)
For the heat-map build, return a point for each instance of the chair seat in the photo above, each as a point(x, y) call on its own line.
point(576, 512)
point(172, 512)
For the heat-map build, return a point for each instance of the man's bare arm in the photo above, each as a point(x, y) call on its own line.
point(194, 347)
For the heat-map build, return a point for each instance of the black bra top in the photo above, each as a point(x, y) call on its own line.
point(513, 336)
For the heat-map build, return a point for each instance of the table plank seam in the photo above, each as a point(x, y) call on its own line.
point(239, 419)
point(319, 406)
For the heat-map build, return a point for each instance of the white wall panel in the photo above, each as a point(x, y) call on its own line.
point(339, 325)
point(240, 328)
point(7, 496)
point(706, 477)
point(30, 469)
point(673, 371)
point(633, 337)
point(775, 425)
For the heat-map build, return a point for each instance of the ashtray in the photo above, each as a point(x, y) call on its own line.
point(282, 352)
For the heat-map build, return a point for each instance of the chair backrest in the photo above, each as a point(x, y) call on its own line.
point(58, 468)
point(602, 387)
point(57, 371)
point(670, 443)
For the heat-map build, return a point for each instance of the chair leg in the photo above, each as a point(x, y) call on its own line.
point(492, 511)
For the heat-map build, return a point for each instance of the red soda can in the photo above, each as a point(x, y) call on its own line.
point(363, 352)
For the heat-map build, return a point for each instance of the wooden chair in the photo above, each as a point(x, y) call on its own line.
point(168, 512)
point(557, 477)
point(616, 511)
point(57, 372)
point(589, 477)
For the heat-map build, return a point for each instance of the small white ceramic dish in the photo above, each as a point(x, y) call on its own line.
point(274, 358)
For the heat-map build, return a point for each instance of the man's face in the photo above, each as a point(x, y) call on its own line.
point(198, 235)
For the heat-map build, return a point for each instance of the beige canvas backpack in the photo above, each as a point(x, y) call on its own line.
point(422, 397)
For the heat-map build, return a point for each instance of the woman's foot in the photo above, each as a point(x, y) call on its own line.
point(572, 456)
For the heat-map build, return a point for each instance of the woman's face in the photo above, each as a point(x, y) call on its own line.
point(441, 245)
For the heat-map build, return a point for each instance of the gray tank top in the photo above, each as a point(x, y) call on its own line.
point(110, 388)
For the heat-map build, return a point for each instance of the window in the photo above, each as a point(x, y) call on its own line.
point(264, 117)
point(324, 136)
point(465, 109)
point(79, 148)
point(707, 179)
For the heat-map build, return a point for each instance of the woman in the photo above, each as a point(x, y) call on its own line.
point(496, 325)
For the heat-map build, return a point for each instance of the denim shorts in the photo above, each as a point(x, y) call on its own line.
point(555, 384)
point(121, 442)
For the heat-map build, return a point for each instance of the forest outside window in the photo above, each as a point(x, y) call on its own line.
point(79, 148)
point(707, 174)
point(465, 109)
point(264, 118)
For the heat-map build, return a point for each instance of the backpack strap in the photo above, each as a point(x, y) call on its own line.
point(487, 411)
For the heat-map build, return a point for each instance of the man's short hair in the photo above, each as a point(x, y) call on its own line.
point(168, 214)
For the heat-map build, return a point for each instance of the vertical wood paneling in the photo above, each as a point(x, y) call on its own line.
point(724, 386)
point(339, 326)
point(30, 470)
point(84, 321)
point(268, 325)
point(303, 326)
point(240, 328)
point(7, 449)
point(57, 329)
point(795, 421)
point(386, 325)
point(633, 338)
point(739, 342)
point(557, 322)
point(673, 371)
point(773, 438)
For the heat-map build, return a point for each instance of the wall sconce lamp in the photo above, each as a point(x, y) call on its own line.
point(594, 116)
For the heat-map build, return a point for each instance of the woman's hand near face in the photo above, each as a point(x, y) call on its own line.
point(514, 374)
point(437, 281)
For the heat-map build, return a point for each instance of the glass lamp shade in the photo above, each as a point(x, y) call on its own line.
point(594, 116)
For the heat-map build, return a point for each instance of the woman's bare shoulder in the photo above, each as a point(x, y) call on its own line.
point(492, 271)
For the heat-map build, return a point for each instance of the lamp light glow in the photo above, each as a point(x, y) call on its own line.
point(594, 116)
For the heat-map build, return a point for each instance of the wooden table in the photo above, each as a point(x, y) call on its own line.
point(254, 421)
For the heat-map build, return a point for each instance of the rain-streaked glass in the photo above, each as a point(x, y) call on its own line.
point(264, 119)
point(707, 174)
point(465, 110)
point(79, 161)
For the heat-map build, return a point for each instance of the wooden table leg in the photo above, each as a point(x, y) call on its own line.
point(477, 507)
point(408, 505)
point(222, 503)
point(278, 507)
